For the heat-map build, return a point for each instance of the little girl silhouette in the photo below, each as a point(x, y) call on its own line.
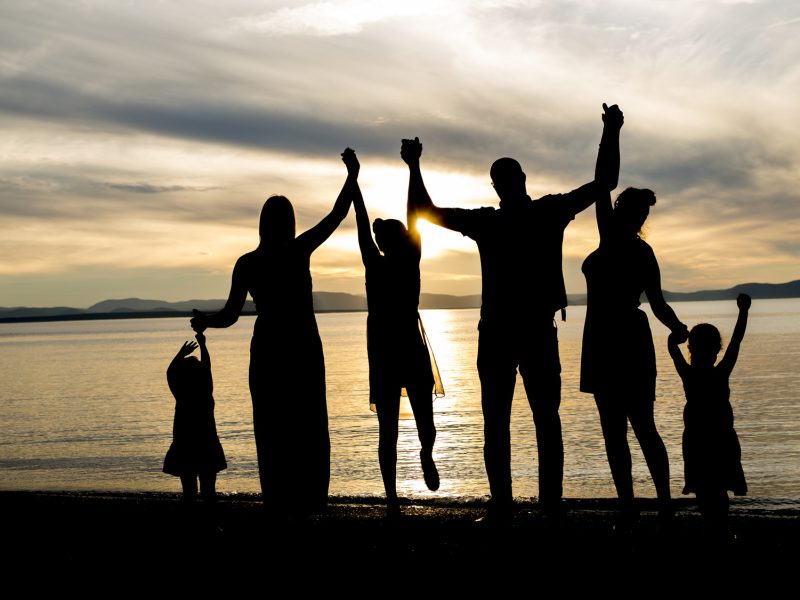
point(711, 451)
point(195, 452)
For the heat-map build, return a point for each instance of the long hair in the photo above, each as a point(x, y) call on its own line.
point(277, 225)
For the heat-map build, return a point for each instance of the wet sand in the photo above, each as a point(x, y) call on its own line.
point(86, 535)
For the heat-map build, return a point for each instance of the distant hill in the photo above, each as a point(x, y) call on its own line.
point(758, 291)
point(340, 302)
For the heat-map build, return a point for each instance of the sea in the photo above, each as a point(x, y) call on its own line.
point(84, 406)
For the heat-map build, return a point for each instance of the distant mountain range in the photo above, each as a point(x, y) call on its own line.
point(340, 302)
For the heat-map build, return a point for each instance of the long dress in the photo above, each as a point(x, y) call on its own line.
point(287, 380)
point(618, 356)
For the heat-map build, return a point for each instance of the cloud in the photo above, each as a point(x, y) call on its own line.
point(147, 188)
point(148, 127)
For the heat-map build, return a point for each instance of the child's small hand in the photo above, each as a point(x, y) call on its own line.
point(187, 349)
point(200, 337)
point(743, 301)
point(198, 321)
point(678, 337)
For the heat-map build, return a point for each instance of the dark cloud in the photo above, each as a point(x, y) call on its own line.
point(147, 188)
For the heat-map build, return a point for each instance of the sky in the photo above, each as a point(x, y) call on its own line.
point(138, 140)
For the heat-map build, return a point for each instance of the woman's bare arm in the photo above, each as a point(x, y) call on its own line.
point(233, 307)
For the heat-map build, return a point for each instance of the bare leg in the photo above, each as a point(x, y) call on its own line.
point(655, 453)
point(422, 405)
point(208, 486)
point(189, 484)
point(388, 407)
point(614, 422)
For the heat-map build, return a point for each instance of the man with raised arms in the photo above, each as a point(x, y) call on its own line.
point(523, 287)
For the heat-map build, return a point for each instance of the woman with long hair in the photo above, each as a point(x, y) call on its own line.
point(287, 366)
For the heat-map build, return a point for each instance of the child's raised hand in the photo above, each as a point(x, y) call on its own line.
point(198, 322)
point(678, 337)
point(200, 337)
point(743, 301)
point(187, 349)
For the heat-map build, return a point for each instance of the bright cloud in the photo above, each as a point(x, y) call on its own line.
point(138, 140)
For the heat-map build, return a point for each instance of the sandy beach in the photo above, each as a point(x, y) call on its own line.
point(145, 535)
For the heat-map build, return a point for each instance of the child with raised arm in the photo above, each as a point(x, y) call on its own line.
point(711, 451)
point(195, 452)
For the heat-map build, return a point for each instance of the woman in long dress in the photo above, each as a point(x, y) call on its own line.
point(396, 347)
point(287, 366)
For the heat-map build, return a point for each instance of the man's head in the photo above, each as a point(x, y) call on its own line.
point(508, 180)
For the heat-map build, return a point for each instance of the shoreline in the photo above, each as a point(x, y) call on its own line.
point(129, 531)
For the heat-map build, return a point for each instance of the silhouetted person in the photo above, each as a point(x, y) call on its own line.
point(287, 367)
point(398, 354)
point(711, 452)
point(618, 361)
point(195, 452)
point(523, 287)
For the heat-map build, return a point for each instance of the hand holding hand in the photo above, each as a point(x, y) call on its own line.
point(351, 162)
point(187, 349)
point(612, 116)
point(678, 337)
point(743, 301)
point(198, 321)
point(410, 151)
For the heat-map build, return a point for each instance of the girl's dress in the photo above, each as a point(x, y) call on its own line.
point(712, 456)
point(195, 445)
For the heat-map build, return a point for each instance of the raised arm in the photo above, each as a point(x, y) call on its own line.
point(606, 174)
point(419, 202)
point(676, 338)
point(366, 244)
point(732, 352)
point(606, 171)
point(185, 350)
point(314, 237)
point(233, 307)
point(205, 357)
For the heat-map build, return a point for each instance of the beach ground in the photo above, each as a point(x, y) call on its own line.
point(140, 536)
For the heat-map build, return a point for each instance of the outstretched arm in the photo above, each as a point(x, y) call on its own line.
point(314, 237)
point(419, 202)
point(655, 296)
point(366, 244)
point(732, 353)
point(233, 307)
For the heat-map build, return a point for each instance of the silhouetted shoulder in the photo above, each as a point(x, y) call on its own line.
point(560, 206)
point(471, 222)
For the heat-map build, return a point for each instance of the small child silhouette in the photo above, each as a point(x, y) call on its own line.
point(195, 452)
point(711, 451)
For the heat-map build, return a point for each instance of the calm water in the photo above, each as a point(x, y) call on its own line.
point(85, 406)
